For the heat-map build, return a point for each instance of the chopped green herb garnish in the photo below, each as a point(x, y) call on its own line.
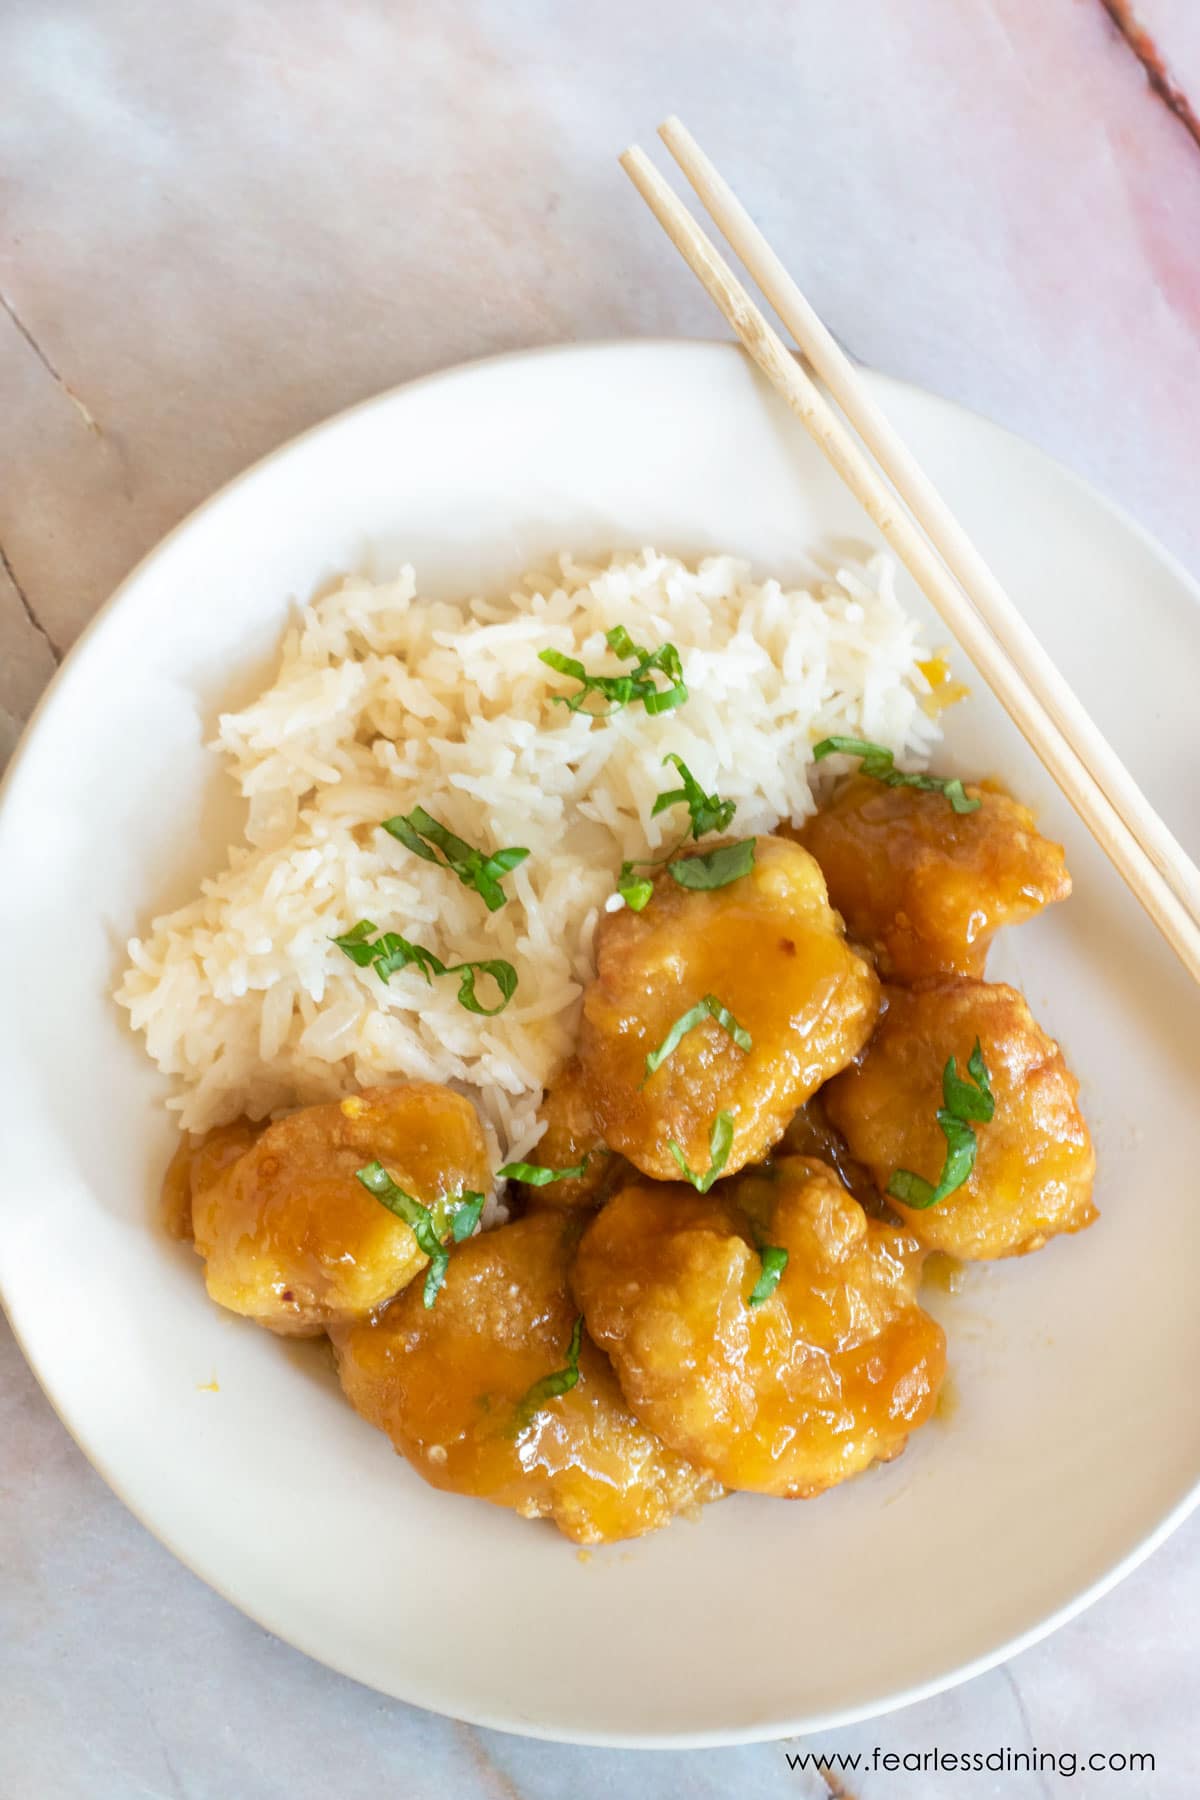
point(390, 952)
point(720, 1142)
point(708, 1008)
point(538, 1175)
point(419, 1219)
point(774, 1261)
point(551, 1386)
point(466, 1215)
point(461, 1212)
point(964, 1101)
point(716, 868)
point(623, 690)
point(426, 837)
point(914, 1190)
point(501, 972)
point(971, 1099)
point(880, 764)
point(708, 811)
point(634, 889)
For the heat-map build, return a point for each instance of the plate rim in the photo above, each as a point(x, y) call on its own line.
point(716, 1737)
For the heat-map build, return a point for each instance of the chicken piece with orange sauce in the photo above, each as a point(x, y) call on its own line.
point(785, 1394)
point(472, 1392)
point(196, 1164)
point(924, 886)
point(768, 947)
point(572, 1134)
point(1034, 1162)
point(293, 1240)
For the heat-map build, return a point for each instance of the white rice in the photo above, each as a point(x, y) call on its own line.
point(385, 701)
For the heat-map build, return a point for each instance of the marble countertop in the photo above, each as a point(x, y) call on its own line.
point(222, 223)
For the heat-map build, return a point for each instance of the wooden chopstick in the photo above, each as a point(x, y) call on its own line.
point(883, 506)
point(928, 507)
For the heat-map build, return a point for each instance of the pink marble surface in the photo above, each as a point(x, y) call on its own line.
point(221, 223)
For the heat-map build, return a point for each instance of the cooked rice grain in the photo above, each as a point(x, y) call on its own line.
point(385, 701)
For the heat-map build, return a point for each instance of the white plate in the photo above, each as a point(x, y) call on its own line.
point(1073, 1448)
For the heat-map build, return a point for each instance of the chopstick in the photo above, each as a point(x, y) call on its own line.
point(928, 507)
point(1031, 716)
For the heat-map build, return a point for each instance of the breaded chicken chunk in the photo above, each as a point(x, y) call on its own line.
point(924, 886)
point(786, 1392)
point(472, 1392)
point(1034, 1161)
point(196, 1164)
point(766, 948)
point(571, 1134)
point(291, 1239)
